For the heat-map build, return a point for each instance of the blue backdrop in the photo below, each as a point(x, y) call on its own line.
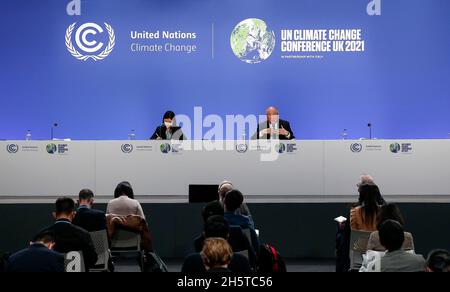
point(400, 83)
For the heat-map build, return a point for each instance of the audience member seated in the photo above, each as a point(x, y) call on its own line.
point(126, 212)
point(438, 261)
point(124, 203)
point(216, 255)
point(215, 227)
point(133, 223)
point(344, 228)
point(389, 211)
point(69, 237)
point(87, 218)
point(38, 257)
point(366, 179)
point(363, 216)
point(224, 188)
point(214, 208)
point(237, 239)
point(397, 260)
point(233, 201)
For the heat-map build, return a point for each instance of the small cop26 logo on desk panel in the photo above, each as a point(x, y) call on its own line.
point(286, 148)
point(167, 148)
point(57, 148)
point(402, 148)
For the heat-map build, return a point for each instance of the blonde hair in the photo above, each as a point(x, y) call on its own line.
point(216, 253)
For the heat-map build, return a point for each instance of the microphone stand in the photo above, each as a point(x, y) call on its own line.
point(52, 129)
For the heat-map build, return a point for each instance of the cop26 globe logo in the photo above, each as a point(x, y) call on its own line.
point(88, 47)
point(280, 148)
point(252, 41)
point(51, 148)
point(395, 147)
point(165, 148)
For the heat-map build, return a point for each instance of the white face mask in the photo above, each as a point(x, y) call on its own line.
point(168, 125)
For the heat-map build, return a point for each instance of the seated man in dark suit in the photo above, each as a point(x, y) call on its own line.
point(38, 257)
point(274, 127)
point(87, 218)
point(216, 227)
point(69, 237)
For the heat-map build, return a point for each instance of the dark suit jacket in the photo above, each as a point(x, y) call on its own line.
point(282, 124)
point(160, 131)
point(69, 237)
point(194, 264)
point(34, 259)
point(90, 220)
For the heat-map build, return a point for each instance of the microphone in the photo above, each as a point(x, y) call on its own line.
point(55, 125)
point(370, 130)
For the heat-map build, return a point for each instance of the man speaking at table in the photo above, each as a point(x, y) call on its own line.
point(274, 127)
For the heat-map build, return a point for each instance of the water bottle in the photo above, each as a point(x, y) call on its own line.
point(344, 134)
point(132, 135)
point(274, 128)
point(28, 136)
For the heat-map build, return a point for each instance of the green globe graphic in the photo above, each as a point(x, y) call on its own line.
point(251, 41)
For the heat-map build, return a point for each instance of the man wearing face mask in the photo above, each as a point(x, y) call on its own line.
point(169, 129)
point(274, 127)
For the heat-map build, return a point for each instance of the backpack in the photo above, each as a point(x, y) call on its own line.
point(153, 263)
point(270, 260)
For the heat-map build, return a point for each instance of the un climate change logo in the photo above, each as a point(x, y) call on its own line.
point(242, 148)
point(356, 147)
point(12, 148)
point(89, 47)
point(127, 148)
point(251, 41)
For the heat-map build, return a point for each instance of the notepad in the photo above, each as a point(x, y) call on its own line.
point(340, 219)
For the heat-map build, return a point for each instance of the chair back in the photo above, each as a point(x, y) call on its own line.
point(125, 241)
point(100, 240)
point(358, 247)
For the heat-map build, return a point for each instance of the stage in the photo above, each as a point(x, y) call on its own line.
point(302, 171)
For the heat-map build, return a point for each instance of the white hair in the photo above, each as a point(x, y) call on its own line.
point(366, 179)
point(224, 188)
